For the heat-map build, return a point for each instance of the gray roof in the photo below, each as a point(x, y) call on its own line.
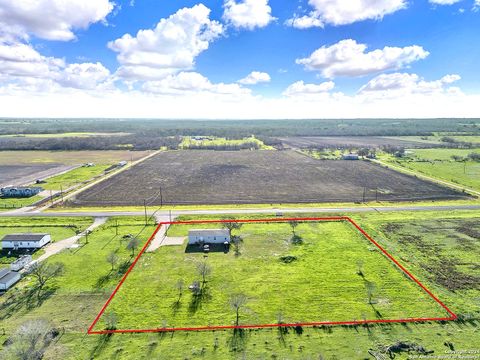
point(4, 272)
point(10, 275)
point(24, 237)
point(208, 232)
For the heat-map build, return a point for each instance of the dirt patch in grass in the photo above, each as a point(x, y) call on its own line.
point(444, 272)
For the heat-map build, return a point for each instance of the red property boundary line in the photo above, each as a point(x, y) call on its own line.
point(452, 316)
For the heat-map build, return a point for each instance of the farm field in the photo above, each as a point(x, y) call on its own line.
point(63, 135)
point(24, 174)
point(420, 240)
point(253, 177)
point(355, 142)
point(438, 163)
point(68, 157)
point(335, 274)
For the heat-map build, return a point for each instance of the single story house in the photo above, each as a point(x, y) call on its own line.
point(208, 236)
point(25, 241)
point(8, 278)
point(21, 262)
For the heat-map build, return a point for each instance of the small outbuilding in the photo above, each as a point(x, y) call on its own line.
point(25, 241)
point(8, 279)
point(21, 262)
point(19, 192)
point(351, 157)
point(208, 236)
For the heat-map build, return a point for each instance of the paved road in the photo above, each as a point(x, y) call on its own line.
point(175, 213)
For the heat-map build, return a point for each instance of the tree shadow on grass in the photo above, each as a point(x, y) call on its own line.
point(27, 300)
point(102, 342)
point(238, 341)
point(112, 274)
point(198, 299)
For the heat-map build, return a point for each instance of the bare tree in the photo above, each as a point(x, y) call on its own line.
point(112, 259)
point(44, 272)
point(133, 245)
point(29, 341)
point(293, 224)
point(237, 301)
point(203, 269)
point(180, 286)
point(231, 225)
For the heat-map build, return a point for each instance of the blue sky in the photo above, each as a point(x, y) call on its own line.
point(371, 57)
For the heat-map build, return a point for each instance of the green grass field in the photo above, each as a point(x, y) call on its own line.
point(73, 177)
point(322, 284)
point(188, 143)
point(439, 164)
point(428, 243)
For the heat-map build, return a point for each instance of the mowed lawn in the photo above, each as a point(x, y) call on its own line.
point(322, 283)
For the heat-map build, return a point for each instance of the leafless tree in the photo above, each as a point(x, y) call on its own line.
point(371, 290)
point(179, 286)
point(231, 225)
point(112, 259)
point(111, 320)
point(204, 270)
point(44, 272)
point(237, 302)
point(29, 341)
point(133, 245)
point(293, 224)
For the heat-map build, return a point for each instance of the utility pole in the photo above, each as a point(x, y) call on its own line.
point(364, 193)
point(170, 215)
point(116, 227)
point(61, 192)
point(145, 206)
point(161, 197)
point(51, 197)
point(376, 194)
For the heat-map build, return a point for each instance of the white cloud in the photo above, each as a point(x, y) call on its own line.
point(444, 2)
point(476, 6)
point(187, 83)
point(255, 77)
point(21, 66)
point(248, 14)
point(348, 58)
point(50, 19)
point(404, 84)
point(341, 12)
point(169, 48)
point(299, 88)
point(84, 75)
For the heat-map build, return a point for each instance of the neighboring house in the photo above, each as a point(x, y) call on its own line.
point(19, 192)
point(8, 278)
point(21, 262)
point(351, 157)
point(25, 241)
point(208, 236)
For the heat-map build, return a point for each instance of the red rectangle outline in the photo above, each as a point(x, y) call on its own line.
point(452, 316)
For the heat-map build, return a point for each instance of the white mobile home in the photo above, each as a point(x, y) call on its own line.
point(21, 262)
point(208, 236)
point(8, 279)
point(25, 241)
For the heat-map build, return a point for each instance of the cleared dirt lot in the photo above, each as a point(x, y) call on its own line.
point(254, 177)
point(26, 174)
point(351, 141)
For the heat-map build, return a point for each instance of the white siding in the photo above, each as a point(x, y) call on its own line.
point(26, 244)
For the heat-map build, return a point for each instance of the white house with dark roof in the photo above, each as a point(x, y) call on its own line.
point(8, 279)
point(25, 241)
point(208, 236)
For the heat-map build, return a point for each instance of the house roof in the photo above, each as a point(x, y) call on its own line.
point(24, 237)
point(4, 272)
point(209, 232)
point(9, 277)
